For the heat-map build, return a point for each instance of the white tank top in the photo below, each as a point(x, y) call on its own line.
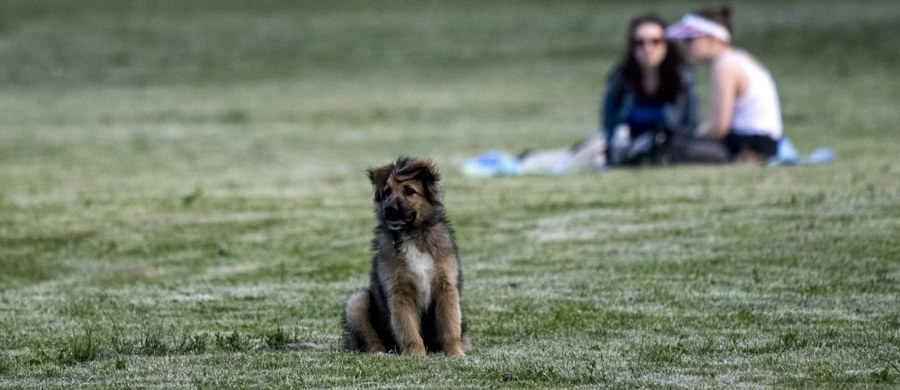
point(757, 111)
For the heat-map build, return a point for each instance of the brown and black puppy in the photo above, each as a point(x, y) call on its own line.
point(412, 305)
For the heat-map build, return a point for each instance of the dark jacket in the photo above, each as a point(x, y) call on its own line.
point(682, 115)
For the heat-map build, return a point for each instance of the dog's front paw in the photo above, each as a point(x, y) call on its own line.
point(455, 350)
point(414, 350)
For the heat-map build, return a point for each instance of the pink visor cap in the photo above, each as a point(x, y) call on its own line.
point(693, 26)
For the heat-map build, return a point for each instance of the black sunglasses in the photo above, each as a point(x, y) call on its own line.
point(652, 41)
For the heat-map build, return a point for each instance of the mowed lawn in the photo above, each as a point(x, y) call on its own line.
point(183, 189)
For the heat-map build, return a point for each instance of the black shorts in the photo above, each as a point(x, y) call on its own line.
point(758, 144)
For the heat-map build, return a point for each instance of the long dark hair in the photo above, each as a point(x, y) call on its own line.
point(669, 70)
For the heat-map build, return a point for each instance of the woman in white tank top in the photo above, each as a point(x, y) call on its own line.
point(745, 114)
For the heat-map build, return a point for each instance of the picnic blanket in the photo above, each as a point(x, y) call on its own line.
point(590, 156)
point(787, 155)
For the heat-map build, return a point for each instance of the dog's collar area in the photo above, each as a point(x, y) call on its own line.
point(397, 238)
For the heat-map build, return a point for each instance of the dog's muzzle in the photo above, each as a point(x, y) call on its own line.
point(397, 218)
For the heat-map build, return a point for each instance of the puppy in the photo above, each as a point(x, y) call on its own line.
point(412, 305)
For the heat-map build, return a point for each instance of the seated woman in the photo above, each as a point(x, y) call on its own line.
point(650, 96)
point(745, 114)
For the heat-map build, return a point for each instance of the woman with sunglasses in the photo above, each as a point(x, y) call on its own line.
point(650, 96)
point(745, 114)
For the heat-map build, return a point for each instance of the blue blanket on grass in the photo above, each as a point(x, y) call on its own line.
point(557, 162)
point(787, 155)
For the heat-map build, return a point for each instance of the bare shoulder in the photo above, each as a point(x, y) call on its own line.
point(728, 73)
point(726, 65)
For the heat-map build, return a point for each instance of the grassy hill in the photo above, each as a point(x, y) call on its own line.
point(182, 187)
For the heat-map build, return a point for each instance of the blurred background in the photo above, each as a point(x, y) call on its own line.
point(160, 86)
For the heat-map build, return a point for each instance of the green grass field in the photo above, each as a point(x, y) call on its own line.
point(182, 187)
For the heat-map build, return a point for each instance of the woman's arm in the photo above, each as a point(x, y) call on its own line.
point(609, 115)
point(727, 82)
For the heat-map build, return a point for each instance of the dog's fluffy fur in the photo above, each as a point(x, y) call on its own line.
point(412, 305)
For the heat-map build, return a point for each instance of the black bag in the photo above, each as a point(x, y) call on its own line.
point(651, 147)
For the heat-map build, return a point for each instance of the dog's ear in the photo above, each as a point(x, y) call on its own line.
point(379, 176)
point(419, 169)
point(425, 172)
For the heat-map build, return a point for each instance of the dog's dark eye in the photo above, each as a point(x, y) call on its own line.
point(386, 192)
point(408, 191)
